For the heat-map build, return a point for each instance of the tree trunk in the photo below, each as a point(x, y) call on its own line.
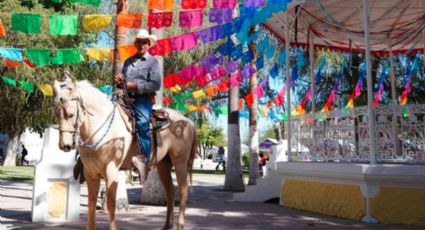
point(120, 38)
point(277, 132)
point(12, 151)
point(153, 192)
point(234, 181)
point(253, 131)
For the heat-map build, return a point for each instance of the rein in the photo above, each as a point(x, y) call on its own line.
point(86, 145)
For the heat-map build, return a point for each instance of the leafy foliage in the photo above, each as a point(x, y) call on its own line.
point(209, 135)
point(33, 110)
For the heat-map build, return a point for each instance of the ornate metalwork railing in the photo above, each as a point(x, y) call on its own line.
point(343, 135)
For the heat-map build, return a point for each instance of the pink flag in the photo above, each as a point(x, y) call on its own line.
point(235, 79)
point(224, 3)
point(218, 72)
point(191, 18)
point(259, 91)
point(184, 41)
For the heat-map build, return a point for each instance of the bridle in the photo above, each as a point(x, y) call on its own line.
point(76, 133)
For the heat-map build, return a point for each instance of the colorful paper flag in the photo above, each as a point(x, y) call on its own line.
point(162, 47)
point(223, 86)
point(96, 22)
point(160, 4)
point(191, 18)
point(126, 51)
point(224, 3)
point(46, 89)
point(94, 3)
point(212, 90)
point(220, 15)
point(28, 87)
point(67, 56)
point(39, 56)
point(193, 4)
point(184, 42)
point(12, 64)
point(2, 31)
point(160, 19)
point(199, 94)
point(9, 81)
point(27, 23)
point(13, 54)
point(210, 34)
point(99, 53)
point(240, 104)
point(63, 24)
point(249, 99)
point(133, 21)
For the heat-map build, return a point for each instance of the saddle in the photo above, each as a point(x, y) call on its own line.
point(158, 121)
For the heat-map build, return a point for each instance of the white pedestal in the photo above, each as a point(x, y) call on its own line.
point(56, 194)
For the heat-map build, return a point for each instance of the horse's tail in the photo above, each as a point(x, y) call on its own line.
point(193, 152)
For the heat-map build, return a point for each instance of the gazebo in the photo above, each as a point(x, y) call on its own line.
point(365, 162)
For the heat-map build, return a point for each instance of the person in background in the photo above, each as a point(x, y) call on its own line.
point(221, 160)
point(24, 153)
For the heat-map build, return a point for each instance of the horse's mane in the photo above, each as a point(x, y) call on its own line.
point(89, 93)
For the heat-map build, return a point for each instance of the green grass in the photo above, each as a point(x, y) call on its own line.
point(18, 173)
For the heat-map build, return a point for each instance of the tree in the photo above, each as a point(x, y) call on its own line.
point(208, 136)
point(253, 131)
point(233, 180)
point(34, 110)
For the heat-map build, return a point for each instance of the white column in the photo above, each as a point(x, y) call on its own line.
point(313, 79)
point(393, 93)
point(370, 108)
point(395, 128)
point(288, 87)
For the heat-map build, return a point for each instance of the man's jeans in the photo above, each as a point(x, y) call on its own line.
point(142, 112)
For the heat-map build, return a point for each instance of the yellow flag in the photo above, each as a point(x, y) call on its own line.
point(191, 108)
point(265, 111)
point(99, 54)
point(199, 94)
point(96, 22)
point(175, 89)
point(46, 89)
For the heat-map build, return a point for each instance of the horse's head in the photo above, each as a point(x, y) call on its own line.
point(69, 111)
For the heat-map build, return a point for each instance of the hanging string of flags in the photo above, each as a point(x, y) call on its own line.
point(210, 69)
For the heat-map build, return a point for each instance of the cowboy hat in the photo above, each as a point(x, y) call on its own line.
point(144, 34)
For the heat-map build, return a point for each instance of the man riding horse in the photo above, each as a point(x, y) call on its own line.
point(141, 78)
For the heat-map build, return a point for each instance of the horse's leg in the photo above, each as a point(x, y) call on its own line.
point(164, 172)
point(111, 193)
point(181, 176)
point(93, 184)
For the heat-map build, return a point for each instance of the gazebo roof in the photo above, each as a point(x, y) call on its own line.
point(396, 23)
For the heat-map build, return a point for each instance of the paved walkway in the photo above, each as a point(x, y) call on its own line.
point(208, 208)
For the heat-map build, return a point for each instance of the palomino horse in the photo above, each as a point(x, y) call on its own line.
point(105, 143)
